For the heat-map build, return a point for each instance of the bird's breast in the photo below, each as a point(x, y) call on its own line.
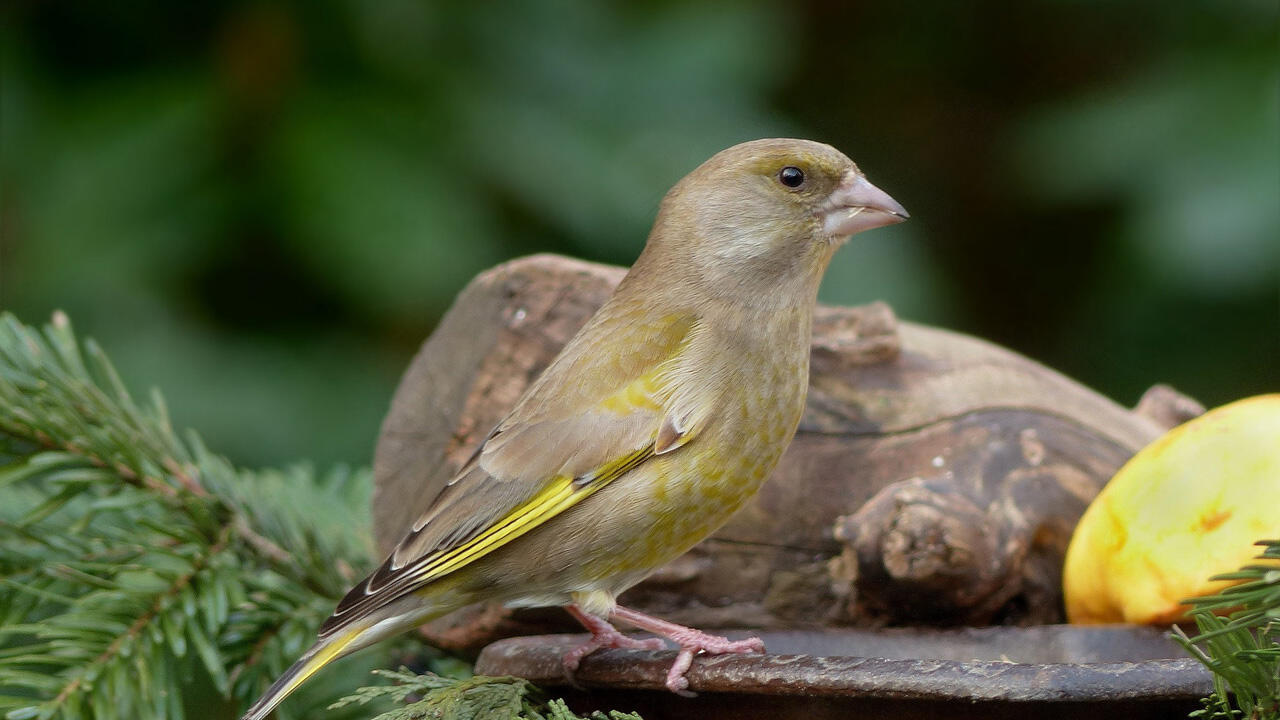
point(695, 490)
point(673, 501)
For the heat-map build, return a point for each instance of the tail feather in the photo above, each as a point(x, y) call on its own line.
point(322, 653)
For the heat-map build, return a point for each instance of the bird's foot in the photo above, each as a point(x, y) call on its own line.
point(696, 641)
point(603, 635)
point(691, 643)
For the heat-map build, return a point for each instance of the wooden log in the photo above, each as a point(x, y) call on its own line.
point(934, 478)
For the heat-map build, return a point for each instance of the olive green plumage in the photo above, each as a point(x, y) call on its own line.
point(657, 421)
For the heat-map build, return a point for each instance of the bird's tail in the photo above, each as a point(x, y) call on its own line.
point(322, 653)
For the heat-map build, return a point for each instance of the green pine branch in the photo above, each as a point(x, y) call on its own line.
point(141, 575)
point(1242, 649)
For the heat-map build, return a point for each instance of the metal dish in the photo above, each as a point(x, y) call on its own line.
point(1052, 671)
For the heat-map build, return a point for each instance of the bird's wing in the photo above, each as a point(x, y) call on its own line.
point(547, 456)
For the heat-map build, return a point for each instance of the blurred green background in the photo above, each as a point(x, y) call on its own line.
point(262, 208)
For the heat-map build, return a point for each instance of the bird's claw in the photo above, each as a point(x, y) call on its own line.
point(693, 642)
point(690, 641)
point(604, 638)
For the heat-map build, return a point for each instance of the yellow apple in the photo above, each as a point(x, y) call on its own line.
point(1188, 506)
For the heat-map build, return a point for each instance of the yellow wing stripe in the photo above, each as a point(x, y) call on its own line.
point(324, 656)
point(304, 668)
point(561, 494)
point(520, 520)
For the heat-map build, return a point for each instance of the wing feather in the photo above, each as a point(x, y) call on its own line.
point(544, 458)
point(558, 496)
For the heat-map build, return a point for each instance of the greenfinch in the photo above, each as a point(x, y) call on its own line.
point(658, 420)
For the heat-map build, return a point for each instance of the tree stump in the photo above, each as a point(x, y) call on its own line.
point(935, 478)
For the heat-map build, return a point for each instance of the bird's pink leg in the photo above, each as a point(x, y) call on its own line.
point(691, 642)
point(603, 635)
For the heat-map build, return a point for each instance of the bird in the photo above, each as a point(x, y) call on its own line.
point(661, 417)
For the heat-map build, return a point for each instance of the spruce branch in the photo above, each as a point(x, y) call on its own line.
point(138, 625)
point(135, 564)
point(59, 400)
point(1242, 649)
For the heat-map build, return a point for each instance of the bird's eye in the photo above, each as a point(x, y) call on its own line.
point(792, 177)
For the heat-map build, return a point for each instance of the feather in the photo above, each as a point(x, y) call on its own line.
point(536, 464)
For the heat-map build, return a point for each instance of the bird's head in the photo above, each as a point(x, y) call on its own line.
point(769, 210)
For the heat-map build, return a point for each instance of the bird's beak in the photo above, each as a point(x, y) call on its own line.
point(857, 205)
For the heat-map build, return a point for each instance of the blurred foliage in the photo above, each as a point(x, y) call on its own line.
point(264, 206)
